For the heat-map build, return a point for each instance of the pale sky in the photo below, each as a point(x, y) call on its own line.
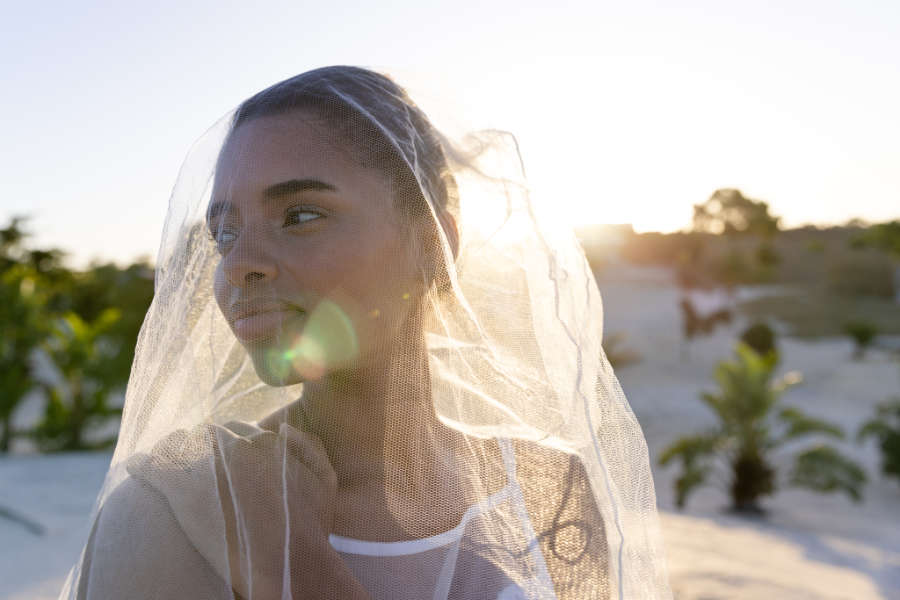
point(625, 111)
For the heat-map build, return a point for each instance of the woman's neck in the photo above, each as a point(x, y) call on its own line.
point(378, 424)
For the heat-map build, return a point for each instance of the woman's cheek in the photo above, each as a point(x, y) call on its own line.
point(220, 288)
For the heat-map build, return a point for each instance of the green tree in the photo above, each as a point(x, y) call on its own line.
point(884, 236)
point(86, 321)
point(729, 212)
point(20, 315)
point(84, 353)
point(22, 304)
point(130, 291)
point(751, 425)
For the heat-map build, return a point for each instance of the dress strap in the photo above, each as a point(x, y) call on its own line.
point(509, 458)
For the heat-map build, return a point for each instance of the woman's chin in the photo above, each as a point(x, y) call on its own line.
point(306, 347)
point(276, 367)
point(281, 365)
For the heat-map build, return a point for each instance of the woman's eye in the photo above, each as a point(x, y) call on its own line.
point(297, 215)
point(223, 238)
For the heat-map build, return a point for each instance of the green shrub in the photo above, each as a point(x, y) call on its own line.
point(884, 236)
point(885, 428)
point(863, 334)
point(750, 427)
point(760, 337)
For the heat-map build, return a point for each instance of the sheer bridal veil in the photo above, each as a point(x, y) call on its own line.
point(370, 369)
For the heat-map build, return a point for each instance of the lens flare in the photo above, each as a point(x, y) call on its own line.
point(308, 358)
point(328, 341)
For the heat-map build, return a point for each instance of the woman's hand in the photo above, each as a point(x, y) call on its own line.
point(278, 492)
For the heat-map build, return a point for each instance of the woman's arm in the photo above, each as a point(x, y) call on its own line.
point(565, 517)
point(137, 551)
point(214, 527)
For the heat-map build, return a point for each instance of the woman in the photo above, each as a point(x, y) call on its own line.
point(369, 372)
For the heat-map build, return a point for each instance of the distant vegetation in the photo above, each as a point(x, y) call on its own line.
point(730, 243)
point(831, 281)
point(863, 334)
point(885, 428)
point(617, 352)
point(883, 236)
point(730, 213)
point(809, 313)
point(68, 339)
point(827, 277)
point(760, 338)
point(752, 425)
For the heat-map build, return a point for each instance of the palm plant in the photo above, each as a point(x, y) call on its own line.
point(751, 427)
point(26, 278)
point(20, 306)
point(84, 353)
point(885, 428)
point(760, 337)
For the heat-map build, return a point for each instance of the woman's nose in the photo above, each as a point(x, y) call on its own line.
point(249, 262)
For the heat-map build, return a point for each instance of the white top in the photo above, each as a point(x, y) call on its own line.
point(446, 565)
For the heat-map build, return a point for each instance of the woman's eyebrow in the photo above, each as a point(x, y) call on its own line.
point(294, 186)
point(274, 192)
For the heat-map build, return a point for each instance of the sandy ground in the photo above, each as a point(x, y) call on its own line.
point(58, 492)
point(808, 547)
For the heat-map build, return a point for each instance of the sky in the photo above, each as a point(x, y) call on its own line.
point(625, 112)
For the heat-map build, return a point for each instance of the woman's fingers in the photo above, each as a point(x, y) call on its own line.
point(252, 444)
point(308, 449)
point(290, 467)
point(264, 473)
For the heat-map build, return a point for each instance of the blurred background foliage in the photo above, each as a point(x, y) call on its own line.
point(826, 280)
point(736, 261)
point(753, 425)
point(66, 344)
point(68, 335)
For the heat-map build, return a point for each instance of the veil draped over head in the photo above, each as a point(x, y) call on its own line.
point(370, 369)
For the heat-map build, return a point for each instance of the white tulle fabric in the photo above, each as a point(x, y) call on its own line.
point(559, 500)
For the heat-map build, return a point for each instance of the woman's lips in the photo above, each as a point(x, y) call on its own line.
point(262, 326)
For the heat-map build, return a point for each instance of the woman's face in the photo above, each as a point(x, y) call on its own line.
point(316, 268)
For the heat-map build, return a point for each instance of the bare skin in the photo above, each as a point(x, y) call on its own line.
point(299, 222)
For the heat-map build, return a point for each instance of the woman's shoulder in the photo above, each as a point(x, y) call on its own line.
point(545, 458)
point(138, 550)
point(553, 474)
point(154, 534)
point(562, 506)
